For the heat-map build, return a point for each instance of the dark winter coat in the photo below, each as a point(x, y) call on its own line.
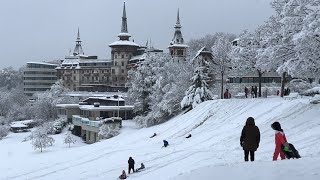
point(131, 162)
point(250, 136)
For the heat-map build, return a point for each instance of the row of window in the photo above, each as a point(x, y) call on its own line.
point(116, 63)
point(93, 78)
point(39, 78)
point(87, 71)
point(37, 84)
point(35, 89)
point(255, 80)
point(41, 66)
point(122, 56)
point(39, 72)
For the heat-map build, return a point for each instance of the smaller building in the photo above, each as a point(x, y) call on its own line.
point(91, 113)
point(38, 77)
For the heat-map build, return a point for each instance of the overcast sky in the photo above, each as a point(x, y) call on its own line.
point(41, 30)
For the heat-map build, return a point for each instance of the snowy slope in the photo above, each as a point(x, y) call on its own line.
point(212, 151)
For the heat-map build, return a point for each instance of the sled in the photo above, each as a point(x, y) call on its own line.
point(292, 153)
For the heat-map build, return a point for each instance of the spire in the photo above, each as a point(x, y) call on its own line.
point(78, 36)
point(124, 26)
point(178, 25)
point(78, 49)
point(124, 35)
point(177, 38)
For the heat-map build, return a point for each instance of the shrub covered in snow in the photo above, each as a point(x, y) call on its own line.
point(69, 139)
point(4, 131)
point(299, 85)
point(106, 131)
point(40, 139)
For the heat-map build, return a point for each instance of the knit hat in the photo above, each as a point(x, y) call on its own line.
point(276, 126)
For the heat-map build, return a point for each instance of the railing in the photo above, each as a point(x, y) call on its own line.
point(85, 121)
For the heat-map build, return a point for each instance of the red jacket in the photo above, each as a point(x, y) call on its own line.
point(280, 138)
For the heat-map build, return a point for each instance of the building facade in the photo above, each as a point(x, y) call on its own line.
point(38, 77)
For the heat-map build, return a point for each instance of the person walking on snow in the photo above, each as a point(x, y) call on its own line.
point(280, 139)
point(131, 165)
point(250, 139)
point(123, 175)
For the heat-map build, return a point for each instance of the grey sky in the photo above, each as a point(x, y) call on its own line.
point(41, 30)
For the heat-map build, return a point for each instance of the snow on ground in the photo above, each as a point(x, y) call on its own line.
point(213, 152)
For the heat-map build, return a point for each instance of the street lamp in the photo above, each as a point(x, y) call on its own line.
point(118, 104)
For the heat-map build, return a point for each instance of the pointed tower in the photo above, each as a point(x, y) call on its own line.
point(121, 52)
point(78, 49)
point(177, 47)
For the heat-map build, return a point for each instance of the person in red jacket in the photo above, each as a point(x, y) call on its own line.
point(280, 139)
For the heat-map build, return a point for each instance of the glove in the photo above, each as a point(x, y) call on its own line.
point(241, 143)
point(285, 148)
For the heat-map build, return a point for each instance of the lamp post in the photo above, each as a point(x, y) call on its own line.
point(118, 104)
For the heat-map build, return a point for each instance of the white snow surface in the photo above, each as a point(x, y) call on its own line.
point(213, 151)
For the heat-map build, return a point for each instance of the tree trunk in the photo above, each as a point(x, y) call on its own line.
point(283, 81)
point(260, 82)
point(221, 85)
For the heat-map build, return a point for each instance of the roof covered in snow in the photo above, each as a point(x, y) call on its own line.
point(124, 43)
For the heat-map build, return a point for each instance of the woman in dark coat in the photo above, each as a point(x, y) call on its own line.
point(250, 139)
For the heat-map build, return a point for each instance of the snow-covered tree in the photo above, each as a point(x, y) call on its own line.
point(10, 78)
point(207, 41)
point(4, 131)
point(40, 139)
point(106, 131)
point(140, 84)
point(69, 139)
point(221, 50)
point(198, 92)
point(307, 43)
point(167, 92)
point(44, 107)
point(244, 55)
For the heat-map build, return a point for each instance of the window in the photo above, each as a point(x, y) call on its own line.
point(113, 71)
point(180, 52)
point(122, 71)
point(122, 63)
point(74, 78)
point(115, 63)
point(122, 56)
point(115, 56)
point(97, 78)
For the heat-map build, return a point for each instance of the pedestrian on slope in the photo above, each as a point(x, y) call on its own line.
point(131, 165)
point(252, 92)
point(227, 94)
point(154, 135)
point(255, 92)
point(250, 139)
point(165, 143)
point(246, 92)
point(280, 140)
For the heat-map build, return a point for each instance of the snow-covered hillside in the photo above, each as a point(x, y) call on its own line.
point(213, 151)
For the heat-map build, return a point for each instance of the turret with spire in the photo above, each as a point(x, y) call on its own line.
point(78, 49)
point(177, 47)
point(122, 51)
